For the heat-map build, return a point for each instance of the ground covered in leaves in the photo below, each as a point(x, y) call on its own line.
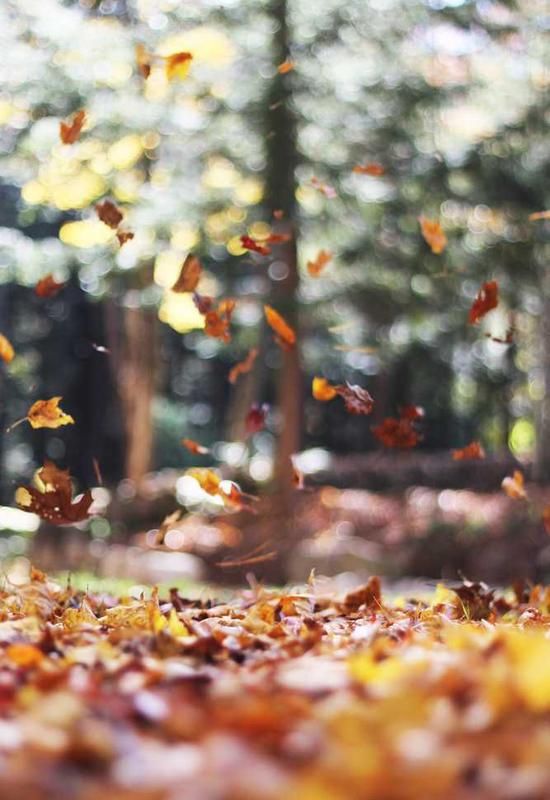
point(297, 694)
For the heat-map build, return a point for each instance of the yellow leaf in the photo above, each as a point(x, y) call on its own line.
point(48, 414)
point(7, 352)
point(322, 390)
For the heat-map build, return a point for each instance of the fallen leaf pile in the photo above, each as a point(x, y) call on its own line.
point(274, 695)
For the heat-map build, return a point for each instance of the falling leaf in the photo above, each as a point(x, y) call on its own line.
point(397, 433)
point(195, 447)
point(143, 60)
point(255, 418)
point(48, 286)
point(243, 366)
point(47, 414)
point(69, 132)
point(323, 390)
point(52, 499)
point(124, 236)
point(254, 246)
point(472, 452)
point(515, 486)
point(109, 213)
point(189, 276)
point(328, 191)
point(298, 480)
point(278, 238)
point(286, 66)
point(285, 336)
point(434, 234)
point(237, 500)
point(317, 265)
point(356, 399)
point(539, 215)
point(7, 353)
point(216, 322)
point(208, 480)
point(486, 300)
point(546, 518)
point(372, 168)
point(203, 303)
point(177, 65)
point(411, 412)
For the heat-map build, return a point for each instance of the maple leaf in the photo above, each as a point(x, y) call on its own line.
point(433, 234)
point(317, 265)
point(48, 414)
point(255, 418)
point(69, 132)
point(190, 274)
point(373, 169)
point(177, 65)
point(356, 399)
point(248, 243)
point(286, 66)
point(124, 236)
point(7, 353)
point(109, 213)
point(514, 486)
point(285, 336)
point(486, 300)
point(397, 433)
point(143, 61)
point(52, 499)
point(472, 452)
point(195, 447)
point(48, 286)
point(323, 390)
point(244, 366)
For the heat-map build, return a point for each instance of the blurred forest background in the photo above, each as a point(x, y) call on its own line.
point(451, 97)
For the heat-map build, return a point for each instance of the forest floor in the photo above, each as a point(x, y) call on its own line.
point(297, 694)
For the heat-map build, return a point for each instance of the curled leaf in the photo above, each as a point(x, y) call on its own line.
point(52, 497)
point(243, 366)
point(7, 353)
point(317, 265)
point(69, 132)
point(285, 336)
point(48, 286)
point(472, 452)
point(189, 276)
point(486, 300)
point(109, 213)
point(433, 234)
point(48, 414)
point(356, 399)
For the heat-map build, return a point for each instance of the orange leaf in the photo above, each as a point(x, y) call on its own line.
point(486, 300)
point(237, 499)
point(433, 234)
point(53, 500)
point(48, 286)
point(318, 264)
point(515, 486)
point(254, 246)
point(195, 447)
point(243, 366)
point(286, 66)
point(177, 65)
point(24, 655)
point(7, 353)
point(285, 336)
point(472, 452)
point(357, 399)
point(372, 168)
point(109, 213)
point(208, 480)
point(189, 276)
point(323, 390)
point(216, 322)
point(47, 414)
point(69, 132)
point(539, 215)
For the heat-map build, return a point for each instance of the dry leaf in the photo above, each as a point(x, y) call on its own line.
point(486, 300)
point(357, 399)
point(189, 276)
point(373, 169)
point(285, 336)
point(195, 447)
point(109, 213)
point(208, 480)
point(48, 286)
point(286, 66)
point(243, 366)
point(397, 433)
point(318, 264)
point(177, 65)
point(433, 234)
point(255, 418)
point(143, 60)
point(124, 236)
point(323, 390)
point(52, 499)
point(24, 655)
point(515, 486)
point(472, 452)
point(69, 132)
point(47, 414)
point(254, 246)
point(7, 353)
point(216, 322)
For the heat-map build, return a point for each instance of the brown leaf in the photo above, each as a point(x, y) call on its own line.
point(69, 132)
point(243, 366)
point(47, 414)
point(53, 500)
point(189, 276)
point(109, 213)
point(357, 399)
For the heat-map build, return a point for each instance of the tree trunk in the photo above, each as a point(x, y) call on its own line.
point(542, 453)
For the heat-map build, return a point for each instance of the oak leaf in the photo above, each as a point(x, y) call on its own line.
point(397, 433)
point(356, 399)
point(109, 213)
point(248, 243)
